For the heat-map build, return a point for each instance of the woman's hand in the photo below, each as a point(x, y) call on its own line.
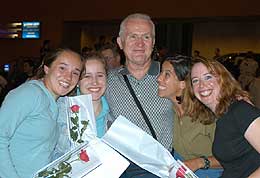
point(198, 163)
point(194, 164)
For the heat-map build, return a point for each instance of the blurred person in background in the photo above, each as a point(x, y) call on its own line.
point(3, 87)
point(217, 53)
point(111, 54)
point(45, 48)
point(196, 54)
point(249, 80)
point(85, 51)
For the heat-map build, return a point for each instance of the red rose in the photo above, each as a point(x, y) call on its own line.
point(84, 156)
point(75, 108)
point(181, 172)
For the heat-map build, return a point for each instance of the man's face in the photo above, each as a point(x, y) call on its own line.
point(112, 61)
point(27, 68)
point(137, 41)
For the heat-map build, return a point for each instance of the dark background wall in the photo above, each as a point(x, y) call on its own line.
point(53, 14)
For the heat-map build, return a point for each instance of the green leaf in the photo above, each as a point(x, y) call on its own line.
point(74, 128)
point(73, 135)
point(80, 141)
point(84, 122)
point(43, 173)
point(74, 120)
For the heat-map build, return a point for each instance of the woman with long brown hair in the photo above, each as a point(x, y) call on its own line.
point(236, 144)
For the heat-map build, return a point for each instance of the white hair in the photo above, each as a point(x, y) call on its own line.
point(136, 16)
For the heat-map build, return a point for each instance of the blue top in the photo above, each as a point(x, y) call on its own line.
point(64, 144)
point(28, 131)
point(101, 118)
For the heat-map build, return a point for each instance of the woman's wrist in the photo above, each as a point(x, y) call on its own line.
point(206, 162)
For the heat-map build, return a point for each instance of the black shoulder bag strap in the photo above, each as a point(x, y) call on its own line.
point(140, 107)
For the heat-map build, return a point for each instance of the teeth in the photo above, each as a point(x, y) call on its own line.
point(64, 84)
point(94, 89)
point(205, 93)
point(161, 87)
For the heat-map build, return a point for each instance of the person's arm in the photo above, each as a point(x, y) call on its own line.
point(12, 114)
point(199, 163)
point(255, 174)
point(63, 145)
point(252, 135)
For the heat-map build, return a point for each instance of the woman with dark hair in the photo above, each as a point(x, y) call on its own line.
point(29, 114)
point(236, 144)
point(192, 139)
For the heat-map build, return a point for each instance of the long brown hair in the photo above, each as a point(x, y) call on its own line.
point(229, 87)
point(49, 58)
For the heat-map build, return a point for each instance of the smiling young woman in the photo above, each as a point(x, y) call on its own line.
point(236, 145)
point(29, 114)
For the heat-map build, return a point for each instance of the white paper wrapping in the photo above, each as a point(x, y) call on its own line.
point(85, 113)
point(104, 162)
point(75, 167)
point(143, 149)
point(113, 164)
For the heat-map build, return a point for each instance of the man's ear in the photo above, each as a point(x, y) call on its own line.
point(46, 69)
point(119, 42)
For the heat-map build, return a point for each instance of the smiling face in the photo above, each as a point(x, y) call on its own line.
point(94, 79)
point(169, 85)
point(137, 41)
point(205, 86)
point(63, 74)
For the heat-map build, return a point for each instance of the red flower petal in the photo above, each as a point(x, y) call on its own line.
point(75, 108)
point(84, 156)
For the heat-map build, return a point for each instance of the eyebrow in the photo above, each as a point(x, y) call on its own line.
point(66, 64)
point(135, 33)
point(97, 73)
point(78, 69)
point(169, 70)
point(203, 75)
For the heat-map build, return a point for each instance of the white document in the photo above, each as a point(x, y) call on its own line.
point(143, 149)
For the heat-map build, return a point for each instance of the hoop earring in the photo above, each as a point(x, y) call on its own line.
point(179, 99)
point(77, 90)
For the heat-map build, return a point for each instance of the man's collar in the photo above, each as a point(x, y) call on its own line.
point(153, 70)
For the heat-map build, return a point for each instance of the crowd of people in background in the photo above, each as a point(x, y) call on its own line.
point(192, 105)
